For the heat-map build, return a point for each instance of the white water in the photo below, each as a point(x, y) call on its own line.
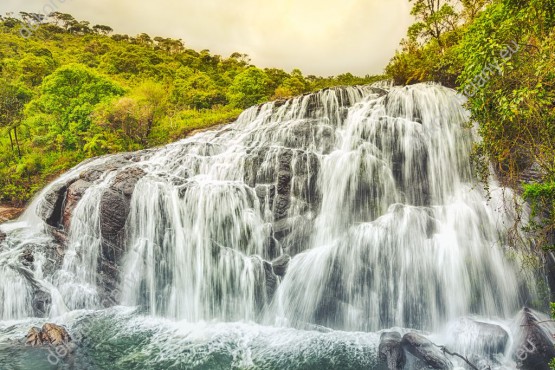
point(387, 225)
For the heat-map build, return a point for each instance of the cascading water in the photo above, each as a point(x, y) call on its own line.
point(369, 190)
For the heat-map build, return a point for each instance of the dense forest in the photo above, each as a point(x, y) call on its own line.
point(501, 55)
point(70, 91)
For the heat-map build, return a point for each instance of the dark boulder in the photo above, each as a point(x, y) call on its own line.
point(51, 207)
point(27, 258)
point(74, 194)
point(390, 350)
point(425, 351)
point(114, 210)
point(281, 206)
point(280, 264)
point(2, 236)
point(41, 302)
point(126, 180)
point(59, 204)
point(534, 348)
point(271, 281)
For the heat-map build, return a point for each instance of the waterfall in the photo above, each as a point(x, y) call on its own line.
point(353, 208)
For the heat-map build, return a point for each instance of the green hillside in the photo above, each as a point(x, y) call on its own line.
point(70, 91)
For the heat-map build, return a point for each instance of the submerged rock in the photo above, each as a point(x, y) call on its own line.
point(425, 351)
point(390, 350)
point(2, 236)
point(50, 334)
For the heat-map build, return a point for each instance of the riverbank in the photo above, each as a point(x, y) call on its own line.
point(8, 213)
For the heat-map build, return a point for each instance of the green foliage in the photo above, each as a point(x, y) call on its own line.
point(541, 196)
point(66, 101)
point(248, 88)
point(434, 18)
point(431, 51)
point(514, 106)
point(69, 91)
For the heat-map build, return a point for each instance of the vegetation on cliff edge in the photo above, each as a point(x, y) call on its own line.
point(70, 91)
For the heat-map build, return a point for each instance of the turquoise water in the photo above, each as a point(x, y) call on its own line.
point(121, 339)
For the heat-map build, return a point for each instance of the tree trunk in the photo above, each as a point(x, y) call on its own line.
point(17, 142)
point(11, 139)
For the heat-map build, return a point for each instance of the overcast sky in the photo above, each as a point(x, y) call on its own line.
point(321, 37)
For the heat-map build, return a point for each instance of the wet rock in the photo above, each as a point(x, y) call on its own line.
point(425, 351)
point(390, 350)
point(34, 337)
point(550, 265)
point(41, 303)
point(284, 182)
point(50, 209)
point(73, 195)
point(2, 236)
point(115, 206)
point(281, 206)
point(94, 173)
point(280, 264)
point(485, 338)
point(27, 258)
point(114, 209)
point(534, 347)
point(293, 233)
point(126, 180)
point(271, 281)
point(61, 237)
point(50, 334)
point(60, 203)
point(55, 334)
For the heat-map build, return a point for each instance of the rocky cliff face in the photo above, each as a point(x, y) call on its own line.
point(60, 202)
point(283, 178)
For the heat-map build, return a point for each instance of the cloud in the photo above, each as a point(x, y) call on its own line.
point(321, 37)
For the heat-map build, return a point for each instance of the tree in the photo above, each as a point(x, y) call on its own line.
point(170, 46)
point(197, 91)
point(12, 100)
point(80, 28)
point(248, 88)
point(434, 17)
point(143, 39)
point(134, 115)
point(63, 19)
point(68, 97)
point(101, 29)
point(471, 8)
